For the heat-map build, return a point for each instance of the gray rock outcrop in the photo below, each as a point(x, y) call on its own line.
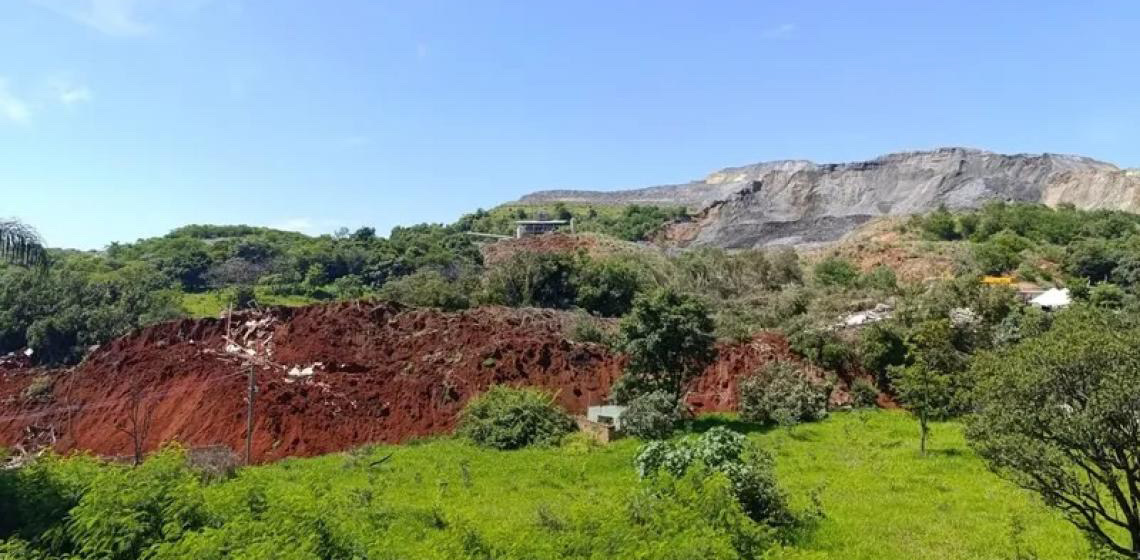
point(793, 202)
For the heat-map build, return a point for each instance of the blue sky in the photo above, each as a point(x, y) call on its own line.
point(122, 119)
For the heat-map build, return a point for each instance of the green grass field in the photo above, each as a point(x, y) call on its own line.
point(882, 500)
point(212, 303)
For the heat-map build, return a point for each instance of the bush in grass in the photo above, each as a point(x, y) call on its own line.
point(651, 416)
point(781, 393)
point(720, 450)
point(508, 418)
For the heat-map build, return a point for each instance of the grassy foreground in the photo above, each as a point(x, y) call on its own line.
point(446, 499)
point(882, 500)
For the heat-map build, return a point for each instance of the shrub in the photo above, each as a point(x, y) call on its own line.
point(243, 297)
point(880, 277)
point(508, 418)
point(819, 347)
point(836, 271)
point(940, 225)
point(429, 288)
point(864, 394)
point(349, 287)
point(1109, 296)
point(533, 280)
point(880, 347)
point(780, 393)
point(589, 329)
point(607, 287)
point(720, 450)
point(651, 416)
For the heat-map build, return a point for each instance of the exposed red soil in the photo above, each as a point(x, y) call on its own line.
point(380, 373)
point(715, 389)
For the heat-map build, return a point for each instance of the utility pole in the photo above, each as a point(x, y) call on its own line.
point(251, 374)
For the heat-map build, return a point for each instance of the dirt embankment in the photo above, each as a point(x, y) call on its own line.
point(332, 377)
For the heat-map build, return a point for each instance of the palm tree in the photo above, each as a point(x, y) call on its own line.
point(21, 245)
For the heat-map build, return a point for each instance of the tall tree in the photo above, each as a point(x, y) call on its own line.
point(20, 244)
point(669, 339)
point(1059, 415)
point(926, 386)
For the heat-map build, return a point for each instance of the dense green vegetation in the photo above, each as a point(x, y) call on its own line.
point(86, 298)
point(449, 499)
point(1093, 246)
point(1050, 396)
point(626, 222)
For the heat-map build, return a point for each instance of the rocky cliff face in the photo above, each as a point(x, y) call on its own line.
point(793, 202)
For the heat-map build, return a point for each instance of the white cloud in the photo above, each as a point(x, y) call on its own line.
point(780, 31)
point(119, 18)
point(72, 94)
point(12, 108)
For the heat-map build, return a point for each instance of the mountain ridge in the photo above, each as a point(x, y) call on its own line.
point(800, 201)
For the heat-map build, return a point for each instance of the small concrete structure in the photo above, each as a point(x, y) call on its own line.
point(609, 415)
point(525, 228)
point(602, 433)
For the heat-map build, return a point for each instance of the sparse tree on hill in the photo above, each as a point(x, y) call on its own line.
point(926, 385)
point(21, 245)
point(1059, 415)
point(139, 416)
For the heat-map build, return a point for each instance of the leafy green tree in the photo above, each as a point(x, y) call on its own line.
point(186, 261)
point(1107, 295)
point(940, 225)
point(534, 280)
point(881, 347)
point(669, 339)
point(926, 386)
point(1057, 415)
point(20, 244)
point(61, 313)
point(1000, 253)
point(349, 287)
point(607, 287)
point(1092, 259)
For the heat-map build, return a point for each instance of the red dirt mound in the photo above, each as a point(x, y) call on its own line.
point(332, 377)
point(345, 374)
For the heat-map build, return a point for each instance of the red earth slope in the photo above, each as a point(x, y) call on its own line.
point(335, 376)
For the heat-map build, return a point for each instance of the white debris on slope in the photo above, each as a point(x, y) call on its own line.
point(880, 312)
point(298, 372)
